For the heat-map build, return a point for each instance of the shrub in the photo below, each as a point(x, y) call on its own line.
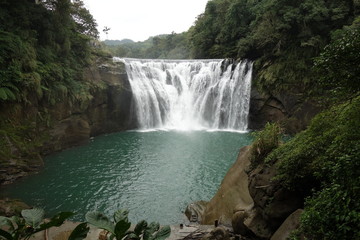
point(323, 163)
point(265, 141)
point(32, 221)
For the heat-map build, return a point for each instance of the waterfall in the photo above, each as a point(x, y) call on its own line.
point(190, 94)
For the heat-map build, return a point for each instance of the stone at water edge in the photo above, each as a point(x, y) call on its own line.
point(218, 233)
point(11, 207)
point(290, 224)
point(194, 211)
point(233, 192)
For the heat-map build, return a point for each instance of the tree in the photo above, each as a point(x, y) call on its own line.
point(338, 68)
point(85, 22)
point(106, 31)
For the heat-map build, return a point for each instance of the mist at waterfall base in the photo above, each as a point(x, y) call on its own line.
point(192, 125)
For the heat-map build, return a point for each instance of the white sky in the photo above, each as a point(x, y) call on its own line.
point(140, 19)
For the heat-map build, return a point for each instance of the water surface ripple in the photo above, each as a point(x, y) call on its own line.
point(153, 174)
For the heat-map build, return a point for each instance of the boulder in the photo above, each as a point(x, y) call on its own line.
point(250, 201)
point(237, 222)
point(291, 223)
point(272, 203)
point(11, 207)
point(194, 211)
point(218, 233)
point(233, 192)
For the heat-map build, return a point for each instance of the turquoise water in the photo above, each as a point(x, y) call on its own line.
point(153, 174)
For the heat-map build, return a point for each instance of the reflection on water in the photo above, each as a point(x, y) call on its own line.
point(153, 174)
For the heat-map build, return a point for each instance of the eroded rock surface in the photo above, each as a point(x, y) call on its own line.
point(290, 224)
point(233, 192)
point(105, 108)
point(250, 201)
point(289, 109)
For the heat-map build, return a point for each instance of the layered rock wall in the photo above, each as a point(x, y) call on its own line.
point(250, 201)
point(289, 109)
point(105, 108)
point(108, 110)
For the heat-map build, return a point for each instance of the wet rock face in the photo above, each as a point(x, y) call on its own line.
point(105, 109)
point(288, 109)
point(233, 192)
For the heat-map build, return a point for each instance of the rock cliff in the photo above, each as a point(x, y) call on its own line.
point(49, 128)
point(250, 201)
point(290, 109)
point(108, 109)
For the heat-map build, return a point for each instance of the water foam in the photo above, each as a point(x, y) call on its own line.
point(190, 94)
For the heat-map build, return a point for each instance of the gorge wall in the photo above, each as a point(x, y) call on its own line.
point(250, 202)
point(289, 109)
point(38, 128)
point(41, 128)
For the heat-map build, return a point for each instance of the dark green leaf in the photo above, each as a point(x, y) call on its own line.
point(121, 228)
point(33, 217)
point(10, 94)
point(6, 235)
point(19, 221)
point(150, 230)
point(55, 221)
point(153, 227)
point(163, 233)
point(121, 214)
point(80, 232)
point(3, 95)
point(132, 236)
point(100, 220)
point(148, 235)
point(140, 227)
point(4, 221)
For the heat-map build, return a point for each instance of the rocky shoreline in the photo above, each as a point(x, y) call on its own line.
point(247, 200)
point(251, 203)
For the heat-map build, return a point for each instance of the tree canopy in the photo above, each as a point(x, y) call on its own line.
point(43, 48)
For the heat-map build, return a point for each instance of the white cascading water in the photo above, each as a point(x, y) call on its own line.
point(190, 94)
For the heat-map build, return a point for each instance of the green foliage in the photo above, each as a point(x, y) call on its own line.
point(332, 213)
point(17, 62)
point(80, 232)
point(31, 222)
point(217, 31)
point(325, 157)
point(19, 137)
point(43, 49)
point(282, 36)
point(338, 68)
point(100, 220)
point(119, 228)
point(168, 46)
point(33, 217)
point(264, 143)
